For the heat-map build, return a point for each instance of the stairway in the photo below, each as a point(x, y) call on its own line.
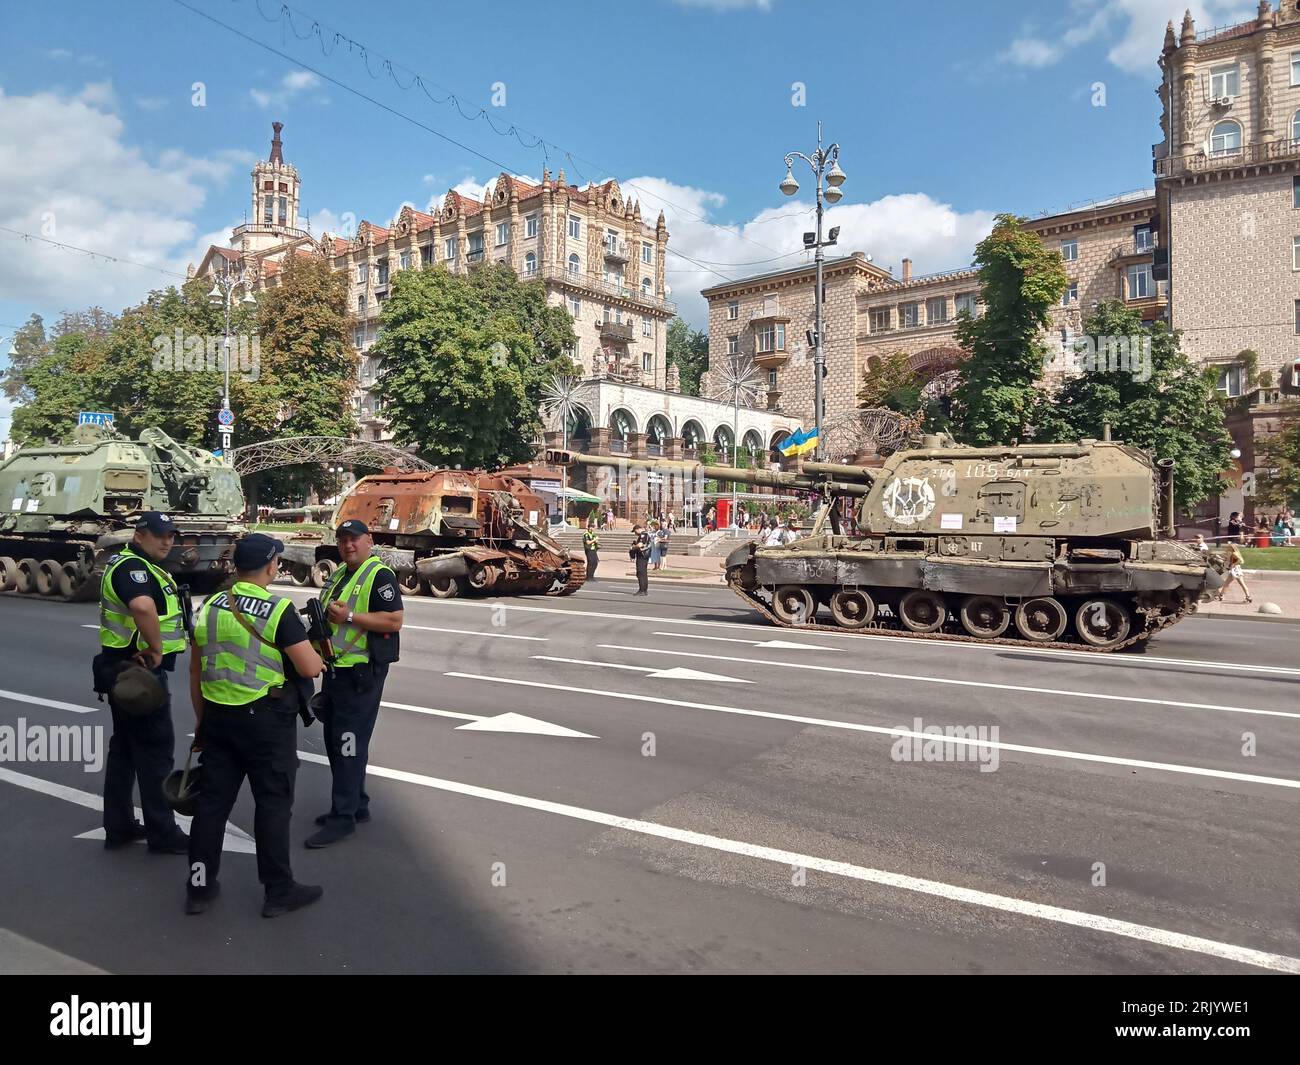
point(621, 541)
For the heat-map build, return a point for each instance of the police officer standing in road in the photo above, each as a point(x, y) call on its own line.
point(640, 552)
point(140, 618)
point(251, 663)
point(590, 545)
point(364, 606)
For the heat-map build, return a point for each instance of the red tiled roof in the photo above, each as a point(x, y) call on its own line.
point(227, 253)
point(270, 268)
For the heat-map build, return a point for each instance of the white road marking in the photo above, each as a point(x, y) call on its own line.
point(899, 732)
point(922, 679)
point(236, 839)
point(775, 645)
point(472, 632)
point(650, 671)
point(19, 697)
point(507, 722)
point(90, 626)
point(1161, 937)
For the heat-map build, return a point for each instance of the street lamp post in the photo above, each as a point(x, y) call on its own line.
point(224, 288)
point(833, 178)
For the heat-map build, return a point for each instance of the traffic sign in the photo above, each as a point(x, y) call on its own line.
point(88, 417)
point(226, 416)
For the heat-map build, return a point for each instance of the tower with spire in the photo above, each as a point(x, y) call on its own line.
point(275, 198)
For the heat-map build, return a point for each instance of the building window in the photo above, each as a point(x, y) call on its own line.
point(880, 320)
point(969, 303)
point(530, 225)
point(284, 211)
point(733, 310)
point(909, 315)
point(1297, 317)
point(475, 244)
point(1069, 250)
point(449, 249)
point(1225, 138)
point(363, 273)
point(771, 337)
point(404, 260)
point(936, 310)
point(426, 255)
point(733, 345)
point(381, 268)
point(530, 264)
point(1139, 281)
point(1230, 380)
point(1142, 238)
point(1224, 81)
point(646, 328)
point(359, 334)
point(771, 379)
point(648, 254)
point(503, 233)
point(574, 264)
point(268, 210)
point(575, 227)
point(361, 306)
point(647, 362)
point(1295, 253)
point(646, 290)
point(1070, 295)
point(575, 307)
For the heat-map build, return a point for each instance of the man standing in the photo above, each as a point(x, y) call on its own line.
point(140, 618)
point(364, 606)
point(590, 545)
point(641, 555)
point(251, 652)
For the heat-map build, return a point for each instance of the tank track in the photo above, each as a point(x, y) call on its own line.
point(756, 603)
point(577, 577)
point(83, 591)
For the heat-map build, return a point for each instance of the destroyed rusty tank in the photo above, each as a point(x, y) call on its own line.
point(68, 508)
point(445, 533)
point(1049, 545)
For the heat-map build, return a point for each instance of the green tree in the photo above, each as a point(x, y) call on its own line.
point(461, 374)
point(60, 385)
point(30, 345)
point(1020, 281)
point(1162, 403)
point(688, 350)
point(1277, 465)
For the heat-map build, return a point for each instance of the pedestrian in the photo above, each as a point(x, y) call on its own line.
point(653, 533)
point(773, 536)
point(251, 671)
point(711, 519)
point(1200, 545)
point(662, 539)
point(1235, 526)
point(1235, 573)
point(672, 522)
point(640, 553)
point(364, 606)
point(140, 619)
point(609, 518)
point(590, 545)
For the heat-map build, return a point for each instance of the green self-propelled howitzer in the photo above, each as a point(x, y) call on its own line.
point(1049, 545)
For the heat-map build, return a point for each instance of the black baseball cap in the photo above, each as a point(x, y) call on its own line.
point(155, 522)
point(255, 550)
point(353, 527)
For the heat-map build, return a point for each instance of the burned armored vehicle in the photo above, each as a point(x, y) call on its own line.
point(68, 508)
point(1040, 544)
point(446, 533)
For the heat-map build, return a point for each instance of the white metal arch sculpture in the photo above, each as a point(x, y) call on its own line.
point(304, 450)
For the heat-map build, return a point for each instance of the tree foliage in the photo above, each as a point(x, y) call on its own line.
point(1020, 281)
point(464, 359)
point(1164, 405)
point(688, 350)
point(1277, 465)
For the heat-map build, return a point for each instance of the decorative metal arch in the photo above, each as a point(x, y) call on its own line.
point(877, 428)
point(299, 450)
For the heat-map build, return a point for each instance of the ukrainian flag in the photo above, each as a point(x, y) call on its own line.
point(800, 443)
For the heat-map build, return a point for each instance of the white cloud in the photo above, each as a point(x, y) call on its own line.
point(727, 5)
point(1032, 52)
point(933, 235)
point(151, 103)
point(292, 85)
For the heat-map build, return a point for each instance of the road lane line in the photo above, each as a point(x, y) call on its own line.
point(1092, 922)
point(898, 732)
point(921, 679)
point(430, 710)
point(19, 697)
point(781, 645)
point(650, 671)
point(472, 632)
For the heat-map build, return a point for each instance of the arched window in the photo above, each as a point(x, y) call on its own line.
point(722, 442)
point(692, 434)
point(1225, 138)
point(574, 264)
point(622, 424)
point(645, 287)
point(1295, 126)
point(530, 264)
point(658, 430)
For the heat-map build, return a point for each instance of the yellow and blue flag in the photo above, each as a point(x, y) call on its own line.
point(802, 441)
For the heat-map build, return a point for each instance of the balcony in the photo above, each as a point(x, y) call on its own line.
point(617, 331)
point(1251, 155)
point(474, 257)
point(616, 250)
point(580, 280)
point(1129, 250)
point(1153, 305)
point(771, 360)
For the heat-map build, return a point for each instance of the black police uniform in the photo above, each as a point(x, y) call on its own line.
point(353, 696)
point(258, 740)
point(142, 746)
point(642, 547)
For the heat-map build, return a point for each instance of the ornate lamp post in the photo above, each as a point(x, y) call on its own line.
point(224, 288)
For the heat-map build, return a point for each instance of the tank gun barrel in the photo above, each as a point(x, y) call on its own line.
point(807, 481)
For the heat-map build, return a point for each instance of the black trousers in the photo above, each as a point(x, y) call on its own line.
point(141, 749)
point(262, 746)
point(642, 573)
point(353, 699)
point(593, 560)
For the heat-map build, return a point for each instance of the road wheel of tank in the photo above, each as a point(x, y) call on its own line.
point(409, 583)
point(322, 572)
point(794, 604)
point(1101, 622)
point(47, 577)
point(984, 616)
point(69, 579)
point(1040, 620)
point(444, 587)
point(25, 579)
point(482, 577)
point(922, 611)
point(8, 573)
point(301, 574)
point(852, 608)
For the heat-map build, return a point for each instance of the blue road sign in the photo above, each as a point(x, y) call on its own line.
point(226, 416)
point(88, 417)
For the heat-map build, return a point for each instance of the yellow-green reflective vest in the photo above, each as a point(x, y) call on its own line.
point(236, 668)
point(117, 627)
point(352, 589)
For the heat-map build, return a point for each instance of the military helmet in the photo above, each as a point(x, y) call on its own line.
point(181, 789)
point(137, 691)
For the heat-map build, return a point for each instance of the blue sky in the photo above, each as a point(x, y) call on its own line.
point(946, 112)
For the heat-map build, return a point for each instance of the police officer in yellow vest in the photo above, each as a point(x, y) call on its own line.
point(140, 618)
point(364, 606)
point(251, 660)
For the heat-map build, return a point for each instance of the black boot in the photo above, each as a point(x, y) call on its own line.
point(334, 829)
point(298, 896)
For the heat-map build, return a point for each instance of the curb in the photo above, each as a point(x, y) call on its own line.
point(1272, 619)
point(1273, 574)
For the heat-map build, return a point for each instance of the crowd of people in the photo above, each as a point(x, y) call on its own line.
point(1281, 531)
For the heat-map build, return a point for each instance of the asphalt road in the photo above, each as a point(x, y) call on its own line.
point(728, 806)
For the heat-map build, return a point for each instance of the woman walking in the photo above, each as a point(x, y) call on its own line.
point(662, 539)
point(654, 544)
point(1235, 563)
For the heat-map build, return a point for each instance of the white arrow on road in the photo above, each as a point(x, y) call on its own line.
point(674, 673)
point(782, 645)
point(507, 722)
